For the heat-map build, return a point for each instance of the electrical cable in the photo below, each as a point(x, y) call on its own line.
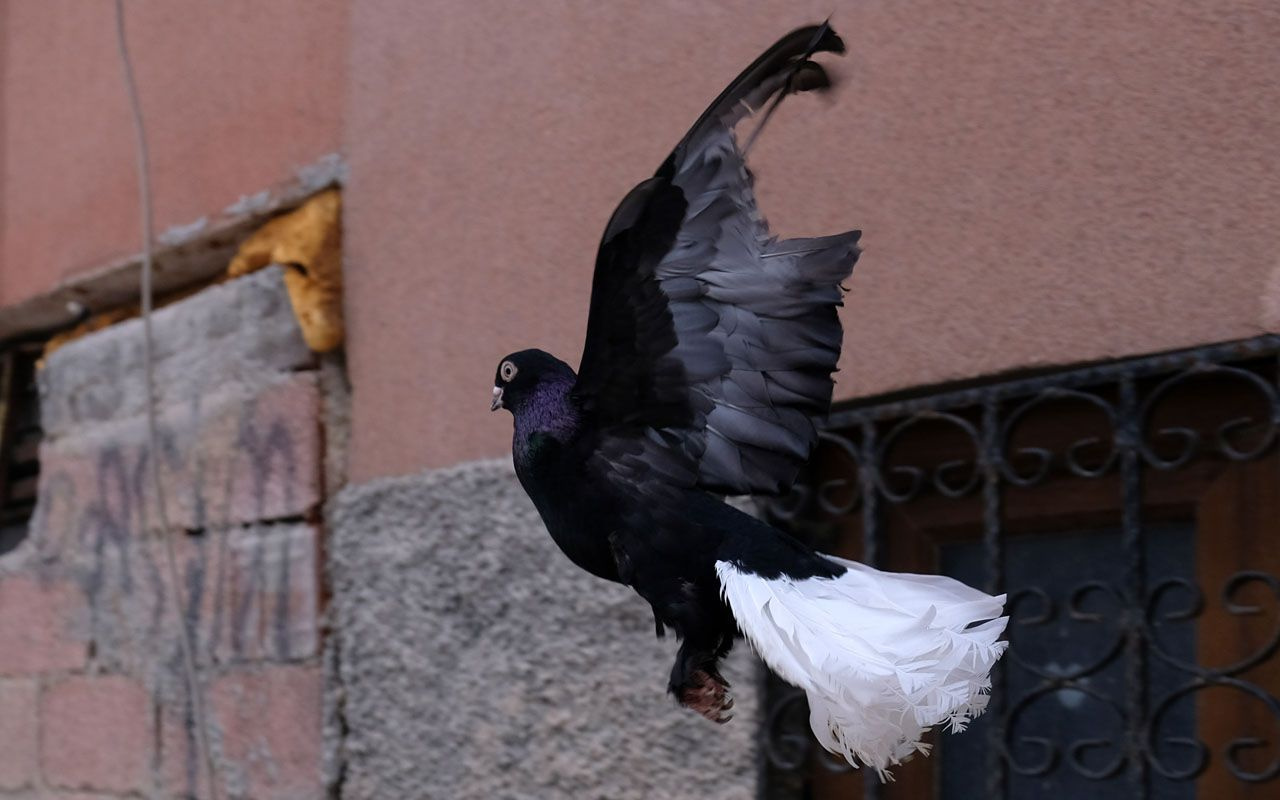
point(153, 438)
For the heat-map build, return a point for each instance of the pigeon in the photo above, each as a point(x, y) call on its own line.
point(709, 354)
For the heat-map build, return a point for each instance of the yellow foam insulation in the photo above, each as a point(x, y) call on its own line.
point(308, 242)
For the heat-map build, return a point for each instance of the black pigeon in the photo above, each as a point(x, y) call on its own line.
point(710, 348)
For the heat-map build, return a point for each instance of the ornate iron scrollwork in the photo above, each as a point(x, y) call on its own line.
point(1131, 663)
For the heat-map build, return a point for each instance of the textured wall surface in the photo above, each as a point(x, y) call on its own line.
point(474, 661)
point(1037, 183)
point(92, 695)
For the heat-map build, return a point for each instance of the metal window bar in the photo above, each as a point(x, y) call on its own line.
point(20, 436)
point(1127, 393)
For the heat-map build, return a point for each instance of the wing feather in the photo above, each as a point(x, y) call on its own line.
point(710, 342)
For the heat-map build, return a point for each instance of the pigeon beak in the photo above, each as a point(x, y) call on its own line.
point(497, 399)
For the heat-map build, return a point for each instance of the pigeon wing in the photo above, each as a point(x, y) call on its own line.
point(710, 343)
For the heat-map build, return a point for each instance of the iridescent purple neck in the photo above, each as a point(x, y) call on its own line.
point(547, 409)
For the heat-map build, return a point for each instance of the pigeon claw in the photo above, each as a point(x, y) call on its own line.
point(708, 695)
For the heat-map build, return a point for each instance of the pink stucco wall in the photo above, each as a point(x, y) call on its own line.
point(1038, 183)
point(236, 96)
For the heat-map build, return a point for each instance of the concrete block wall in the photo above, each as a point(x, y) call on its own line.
point(93, 702)
point(417, 637)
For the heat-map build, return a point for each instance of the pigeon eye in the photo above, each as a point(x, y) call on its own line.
point(507, 371)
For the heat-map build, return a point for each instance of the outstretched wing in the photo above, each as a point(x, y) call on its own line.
point(710, 344)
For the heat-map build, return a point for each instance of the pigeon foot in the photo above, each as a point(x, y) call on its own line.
point(708, 695)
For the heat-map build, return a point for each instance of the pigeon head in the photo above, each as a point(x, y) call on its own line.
point(521, 377)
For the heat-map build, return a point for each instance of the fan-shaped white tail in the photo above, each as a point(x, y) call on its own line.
point(882, 656)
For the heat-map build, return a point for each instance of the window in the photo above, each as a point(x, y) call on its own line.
point(1132, 513)
point(19, 442)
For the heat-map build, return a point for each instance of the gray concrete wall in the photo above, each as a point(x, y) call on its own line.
point(471, 659)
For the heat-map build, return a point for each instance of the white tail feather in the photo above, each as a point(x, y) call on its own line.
point(882, 656)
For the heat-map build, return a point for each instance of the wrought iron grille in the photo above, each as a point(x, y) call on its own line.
point(1131, 511)
point(19, 442)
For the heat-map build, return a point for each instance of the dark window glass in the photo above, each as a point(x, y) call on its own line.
point(1067, 625)
point(19, 443)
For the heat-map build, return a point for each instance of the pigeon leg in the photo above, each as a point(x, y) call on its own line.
point(701, 689)
point(696, 681)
